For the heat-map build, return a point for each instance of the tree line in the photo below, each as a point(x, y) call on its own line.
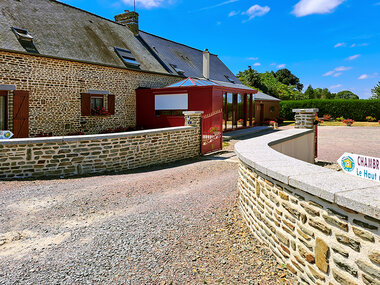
point(283, 84)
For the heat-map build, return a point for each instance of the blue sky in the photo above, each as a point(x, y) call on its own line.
point(326, 43)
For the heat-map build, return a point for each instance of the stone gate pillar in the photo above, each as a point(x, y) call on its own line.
point(305, 118)
point(194, 119)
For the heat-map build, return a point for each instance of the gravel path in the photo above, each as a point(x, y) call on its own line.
point(168, 225)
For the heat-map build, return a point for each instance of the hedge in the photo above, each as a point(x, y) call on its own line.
point(349, 109)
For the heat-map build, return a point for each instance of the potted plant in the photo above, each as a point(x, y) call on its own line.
point(348, 122)
point(100, 112)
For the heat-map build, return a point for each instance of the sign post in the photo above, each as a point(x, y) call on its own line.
point(4, 135)
point(361, 166)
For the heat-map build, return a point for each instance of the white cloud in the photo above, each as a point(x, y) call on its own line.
point(377, 4)
point(353, 45)
point(218, 23)
point(273, 64)
point(363, 76)
point(363, 45)
point(366, 76)
point(214, 6)
point(148, 4)
point(281, 66)
point(233, 13)
point(257, 64)
point(337, 71)
point(309, 7)
point(340, 45)
point(256, 11)
point(342, 68)
point(353, 57)
point(329, 73)
point(335, 86)
point(252, 58)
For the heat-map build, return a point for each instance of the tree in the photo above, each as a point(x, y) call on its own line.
point(268, 83)
point(309, 93)
point(286, 77)
point(376, 91)
point(346, 94)
point(249, 77)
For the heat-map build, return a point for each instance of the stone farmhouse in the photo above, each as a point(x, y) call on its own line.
point(64, 70)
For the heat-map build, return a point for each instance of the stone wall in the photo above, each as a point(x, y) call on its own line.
point(321, 238)
point(55, 86)
point(78, 155)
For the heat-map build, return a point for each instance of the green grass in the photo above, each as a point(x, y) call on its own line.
point(356, 124)
point(338, 124)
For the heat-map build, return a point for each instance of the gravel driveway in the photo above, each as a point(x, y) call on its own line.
point(177, 224)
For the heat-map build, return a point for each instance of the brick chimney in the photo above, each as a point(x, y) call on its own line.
point(129, 19)
point(206, 64)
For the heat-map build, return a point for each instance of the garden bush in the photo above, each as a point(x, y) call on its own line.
point(357, 110)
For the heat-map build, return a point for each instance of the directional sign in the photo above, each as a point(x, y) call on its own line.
point(5, 135)
point(361, 166)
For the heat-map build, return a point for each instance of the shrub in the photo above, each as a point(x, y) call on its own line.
point(340, 119)
point(355, 109)
point(76, 134)
point(118, 130)
point(370, 119)
point(44, 135)
point(348, 122)
point(327, 117)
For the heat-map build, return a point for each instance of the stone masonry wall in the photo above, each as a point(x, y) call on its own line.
point(318, 241)
point(55, 86)
point(69, 156)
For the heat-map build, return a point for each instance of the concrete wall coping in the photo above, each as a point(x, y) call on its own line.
point(312, 110)
point(352, 192)
point(92, 137)
point(189, 113)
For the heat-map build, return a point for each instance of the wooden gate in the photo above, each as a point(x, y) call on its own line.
point(21, 114)
point(212, 135)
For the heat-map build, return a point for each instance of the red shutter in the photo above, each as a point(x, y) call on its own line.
point(111, 104)
point(21, 114)
point(86, 104)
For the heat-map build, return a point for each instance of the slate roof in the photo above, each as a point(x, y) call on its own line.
point(63, 31)
point(186, 58)
point(264, 97)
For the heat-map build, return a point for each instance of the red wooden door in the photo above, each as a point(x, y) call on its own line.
point(21, 114)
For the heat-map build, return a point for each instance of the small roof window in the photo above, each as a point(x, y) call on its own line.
point(25, 39)
point(178, 70)
point(127, 57)
point(22, 34)
point(229, 79)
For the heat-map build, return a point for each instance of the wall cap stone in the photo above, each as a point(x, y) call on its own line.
point(189, 113)
point(345, 190)
point(91, 137)
point(313, 110)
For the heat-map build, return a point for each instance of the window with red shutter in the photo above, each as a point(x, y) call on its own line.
point(3, 110)
point(111, 104)
point(86, 104)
